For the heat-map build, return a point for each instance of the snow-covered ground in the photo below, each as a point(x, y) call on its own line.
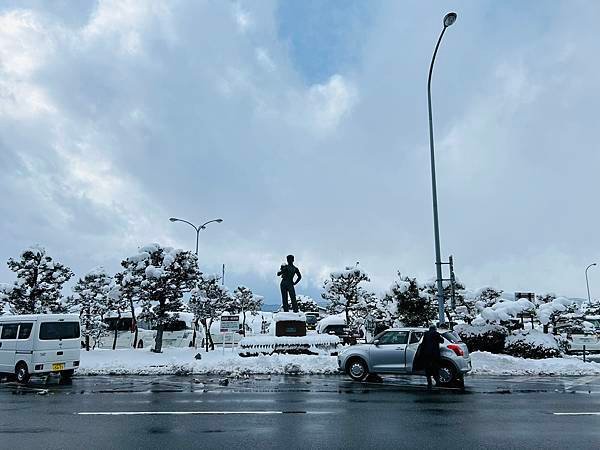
point(491, 364)
point(181, 361)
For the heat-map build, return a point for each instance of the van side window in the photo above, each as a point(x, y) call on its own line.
point(9, 331)
point(25, 330)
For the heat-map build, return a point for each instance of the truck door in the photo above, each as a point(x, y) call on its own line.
point(8, 347)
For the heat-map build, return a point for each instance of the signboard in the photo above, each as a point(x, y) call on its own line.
point(230, 324)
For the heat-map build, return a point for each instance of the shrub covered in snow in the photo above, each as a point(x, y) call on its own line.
point(484, 338)
point(533, 344)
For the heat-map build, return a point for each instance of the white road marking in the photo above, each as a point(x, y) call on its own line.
point(183, 413)
point(578, 414)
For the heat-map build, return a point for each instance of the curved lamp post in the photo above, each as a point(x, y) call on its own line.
point(587, 281)
point(449, 19)
point(197, 228)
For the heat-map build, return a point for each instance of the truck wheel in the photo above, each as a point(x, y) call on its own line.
point(22, 373)
point(357, 369)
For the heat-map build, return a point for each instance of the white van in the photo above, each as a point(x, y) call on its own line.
point(125, 333)
point(39, 344)
point(178, 332)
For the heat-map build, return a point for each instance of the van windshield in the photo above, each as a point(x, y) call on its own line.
point(50, 331)
point(176, 325)
point(122, 324)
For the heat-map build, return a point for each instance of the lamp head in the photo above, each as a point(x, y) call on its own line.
point(173, 219)
point(219, 220)
point(449, 19)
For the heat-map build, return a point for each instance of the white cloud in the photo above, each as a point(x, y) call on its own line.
point(143, 110)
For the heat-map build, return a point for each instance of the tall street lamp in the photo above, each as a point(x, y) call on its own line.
point(449, 19)
point(587, 281)
point(201, 227)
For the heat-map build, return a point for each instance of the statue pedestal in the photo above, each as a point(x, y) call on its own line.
point(289, 324)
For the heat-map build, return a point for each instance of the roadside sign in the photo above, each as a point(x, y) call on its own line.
point(230, 324)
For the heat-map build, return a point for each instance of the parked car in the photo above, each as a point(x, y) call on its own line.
point(39, 344)
point(393, 351)
point(346, 335)
point(587, 334)
point(311, 320)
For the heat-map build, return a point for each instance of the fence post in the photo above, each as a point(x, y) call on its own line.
point(584, 353)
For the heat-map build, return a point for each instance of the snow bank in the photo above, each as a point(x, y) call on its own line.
point(485, 363)
point(289, 316)
point(182, 362)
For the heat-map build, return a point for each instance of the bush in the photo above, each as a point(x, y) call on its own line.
point(532, 344)
point(483, 338)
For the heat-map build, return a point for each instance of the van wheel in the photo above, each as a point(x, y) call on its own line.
point(140, 344)
point(67, 374)
point(22, 373)
point(357, 369)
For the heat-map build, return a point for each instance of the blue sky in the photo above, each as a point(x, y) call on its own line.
point(304, 126)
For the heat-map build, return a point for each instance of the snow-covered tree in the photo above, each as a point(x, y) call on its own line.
point(37, 289)
point(117, 305)
point(464, 308)
point(306, 303)
point(158, 277)
point(91, 299)
point(4, 290)
point(208, 301)
point(345, 294)
point(415, 307)
point(592, 308)
point(245, 301)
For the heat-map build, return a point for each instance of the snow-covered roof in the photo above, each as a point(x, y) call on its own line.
point(17, 317)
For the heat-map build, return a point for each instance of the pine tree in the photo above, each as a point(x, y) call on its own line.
point(244, 302)
point(415, 307)
point(208, 301)
point(91, 300)
point(117, 304)
point(37, 289)
point(4, 291)
point(344, 294)
point(159, 276)
point(307, 304)
point(465, 307)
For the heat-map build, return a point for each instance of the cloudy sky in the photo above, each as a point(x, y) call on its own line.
point(304, 126)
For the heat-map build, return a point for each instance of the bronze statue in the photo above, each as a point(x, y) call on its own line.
point(287, 273)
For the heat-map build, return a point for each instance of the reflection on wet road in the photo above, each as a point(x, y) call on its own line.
point(299, 412)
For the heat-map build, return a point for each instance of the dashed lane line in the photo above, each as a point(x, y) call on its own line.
point(184, 413)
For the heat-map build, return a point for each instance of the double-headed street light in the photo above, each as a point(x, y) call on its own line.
point(587, 281)
point(449, 19)
point(197, 228)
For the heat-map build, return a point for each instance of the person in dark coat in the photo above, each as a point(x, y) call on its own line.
point(428, 355)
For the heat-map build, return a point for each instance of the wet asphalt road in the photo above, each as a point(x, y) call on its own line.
point(299, 412)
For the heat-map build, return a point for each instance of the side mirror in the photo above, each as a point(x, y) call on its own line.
point(376, 342)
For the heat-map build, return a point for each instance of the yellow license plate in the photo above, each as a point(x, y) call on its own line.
point(58, 366)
